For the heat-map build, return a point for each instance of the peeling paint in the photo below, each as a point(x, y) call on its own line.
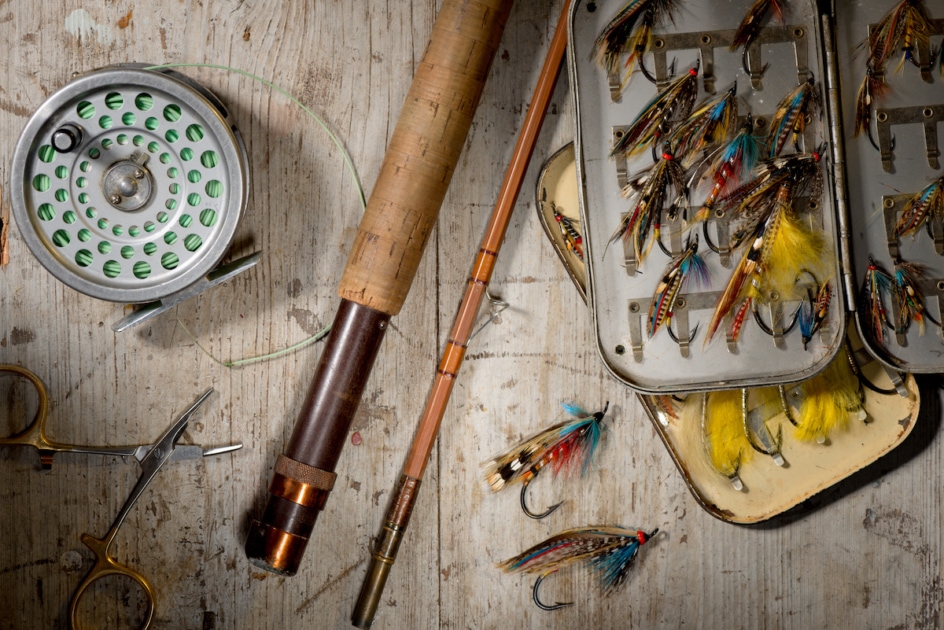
point(83, 26)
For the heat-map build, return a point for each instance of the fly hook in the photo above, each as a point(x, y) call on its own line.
point(769, 329)
point(524, 503)
point(537, 600)
point(675, 338)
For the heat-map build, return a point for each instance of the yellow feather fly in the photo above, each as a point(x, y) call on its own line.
point(724, 434)
point(793, 248)
point(828, 399)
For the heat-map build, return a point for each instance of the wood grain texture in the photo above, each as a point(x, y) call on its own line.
point(866, 555)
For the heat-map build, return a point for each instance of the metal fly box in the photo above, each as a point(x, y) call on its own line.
point(892, 110)
point(755, 340)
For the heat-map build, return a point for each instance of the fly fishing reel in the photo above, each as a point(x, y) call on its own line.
point(128, 184)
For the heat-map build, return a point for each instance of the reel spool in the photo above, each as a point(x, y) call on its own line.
point(128, 184)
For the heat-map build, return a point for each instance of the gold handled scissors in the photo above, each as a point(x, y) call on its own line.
point(155, 457)
point(35, 434)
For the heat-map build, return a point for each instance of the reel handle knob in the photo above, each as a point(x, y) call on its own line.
point(66, 138)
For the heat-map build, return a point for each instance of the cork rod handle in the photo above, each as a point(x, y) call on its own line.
point(423, 154)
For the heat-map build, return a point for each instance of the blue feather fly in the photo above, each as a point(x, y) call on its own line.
point(610, 551)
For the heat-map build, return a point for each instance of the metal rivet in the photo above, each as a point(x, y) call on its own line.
point(680, 303)
point(115, 199)
point(940, 285)
point(138, 174)
point(928, 112)
point(798, 32)
point(634, 307)
point(620, 350)
point(659, 43)
point(889, 202)
point(706, 39)
point(882, 117)
point(760, 121)
point(591, 7)
point(774, 296)
point(813, 205)
point(619, 133)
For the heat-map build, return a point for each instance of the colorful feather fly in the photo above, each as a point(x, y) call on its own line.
point(568, 229)
point(910, 300)
point(566, 445)
point(705, 128)
point(871, 90)
point(790, 119)
point(814, 312)
point(726, 168)
point(750, 26)
point(686, 267)
point(779, 245)
point(876, 289)
point(827, 400)
point(610, 551)
point(649, 192)
point(631, 29)
point(660, 116)
point(724, 433)
point(926, 204)
point(906, 27)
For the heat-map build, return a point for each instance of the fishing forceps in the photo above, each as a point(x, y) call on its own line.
point(35, 434)
point(156, 456)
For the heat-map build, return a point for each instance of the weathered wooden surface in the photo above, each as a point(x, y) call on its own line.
point(866, 555)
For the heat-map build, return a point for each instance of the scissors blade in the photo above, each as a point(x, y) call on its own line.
point(164, 448)
point(187, 451)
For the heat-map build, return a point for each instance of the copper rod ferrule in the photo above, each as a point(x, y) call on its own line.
point(385, 551)
point(304, 475)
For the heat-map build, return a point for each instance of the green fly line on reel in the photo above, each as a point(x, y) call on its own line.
point(128, 184)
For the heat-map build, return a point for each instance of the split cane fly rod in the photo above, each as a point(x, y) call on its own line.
point(386, 546)
point(419, 163)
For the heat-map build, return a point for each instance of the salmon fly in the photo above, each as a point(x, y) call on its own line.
point(790, 120)
point(910, 300)
point(660, 116)
point(827, 401)
point(870, 91)
point(724, 432)
point(631, 29)
point(751, 24)
point(726, 167)
point(906, 27)
point(686, 267)
point(875, 289)
point(568, 229)
point(928, 203)
point(779, 245)
point(609, 550)
point(649, 192)
point(705, 129)
point(567, 445)
point(814, 312)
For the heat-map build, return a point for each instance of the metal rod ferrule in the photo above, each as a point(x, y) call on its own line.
point(384, 553)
